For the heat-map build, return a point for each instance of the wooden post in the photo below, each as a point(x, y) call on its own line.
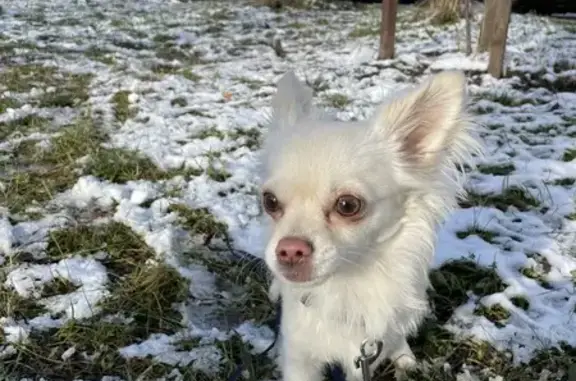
point(499, 37)
point(487, 28)
point(468, 13)
point(387, 29)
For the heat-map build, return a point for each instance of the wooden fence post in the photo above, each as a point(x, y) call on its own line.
point(487, 27)
point(468, 14)
point(387, 29)
point(497, 49)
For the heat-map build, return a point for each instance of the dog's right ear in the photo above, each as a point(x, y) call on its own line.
point(292, 101)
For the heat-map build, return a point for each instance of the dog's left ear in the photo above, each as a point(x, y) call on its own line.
point(424, 122)
point(292, 101)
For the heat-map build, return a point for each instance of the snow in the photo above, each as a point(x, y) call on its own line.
point(224, 98)
point(88, 274)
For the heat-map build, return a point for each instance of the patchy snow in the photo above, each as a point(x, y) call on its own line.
point(527, 125)
point(87, 274)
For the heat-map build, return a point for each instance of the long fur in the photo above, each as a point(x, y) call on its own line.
point(370, 276)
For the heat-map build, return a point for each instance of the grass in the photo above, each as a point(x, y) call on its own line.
point(338, 100)
point(252, 84)
point(566, 181)
point(23, 78)
point(8, 102)
point(58, 286)
point(60, 166)
point(179, 101)
point(125, 250)
point(364, 31)
point(520, 302)
point(452, 281)
point(120, 166)
point(100, 55)
point(451, 284)
point(71, 90)
point(24, 125)
point(495, 313)
point(74, 142)
point(487, 236)
point(37, 175)
point(27, 189)
point(145, 294)
point(42, 356)
point(569, 155)
point(199, 221)
point(122, 107)
point(190, 75)
point(247, 280)
point(510, 197)
point(148, 297)
point(497, 170)
point(15, 306)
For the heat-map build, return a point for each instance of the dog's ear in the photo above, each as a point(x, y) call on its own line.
point(425, 121)
point(292, 101)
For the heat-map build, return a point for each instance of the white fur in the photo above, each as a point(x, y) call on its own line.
point(370, 277)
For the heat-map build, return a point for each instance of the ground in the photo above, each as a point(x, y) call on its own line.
point(129, 218)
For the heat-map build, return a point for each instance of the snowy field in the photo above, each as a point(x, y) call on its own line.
point(129, 216)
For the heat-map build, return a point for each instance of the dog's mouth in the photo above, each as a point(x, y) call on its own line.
point(299, 273)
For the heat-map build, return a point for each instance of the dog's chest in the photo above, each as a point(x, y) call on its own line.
point(334, 336)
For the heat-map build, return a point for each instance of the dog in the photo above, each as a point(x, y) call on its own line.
point(353, 208)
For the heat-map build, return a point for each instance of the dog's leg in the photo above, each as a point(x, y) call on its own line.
point(299, 366)
point(403, 359)
point(274, 290)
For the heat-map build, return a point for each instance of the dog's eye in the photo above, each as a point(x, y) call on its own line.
point(348, 206)
point(270, 202)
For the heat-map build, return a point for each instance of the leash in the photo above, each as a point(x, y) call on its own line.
point(335, 371)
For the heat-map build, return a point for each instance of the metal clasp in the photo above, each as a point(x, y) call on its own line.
point(366, 357)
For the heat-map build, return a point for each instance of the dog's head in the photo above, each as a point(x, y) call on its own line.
point(337, 191)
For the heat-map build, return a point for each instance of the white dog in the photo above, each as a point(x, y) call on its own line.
point(354, 208)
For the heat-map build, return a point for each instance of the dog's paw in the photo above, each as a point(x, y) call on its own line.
point(402, 365)
point(274, 291)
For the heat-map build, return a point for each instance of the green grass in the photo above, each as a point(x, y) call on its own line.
point(125, 250)
point(364, 31)
point(71, 91)
point(145, 294)
point(13, 305)
point(190, 75)
point(252, 84)
point(58, 286)
point(497, 170)
point(8, 102)
point(566, 182)
point(512, 196)
point(569, 155)
point(74, 142)
point(26, 189)
point(24, 125)
point(148, 296)
point(100, 55)
point(36, 175)
point(487, 236)
point(337, 100)
point(495, 313)
point(199, 221)
point(179, 101)
point(520, 302)
point(123, 110)
point(120, 166)
point(23, 78)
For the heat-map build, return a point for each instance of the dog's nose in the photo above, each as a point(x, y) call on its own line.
point(291, 250)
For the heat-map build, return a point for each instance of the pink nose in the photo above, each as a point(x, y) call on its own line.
point(291, 250)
